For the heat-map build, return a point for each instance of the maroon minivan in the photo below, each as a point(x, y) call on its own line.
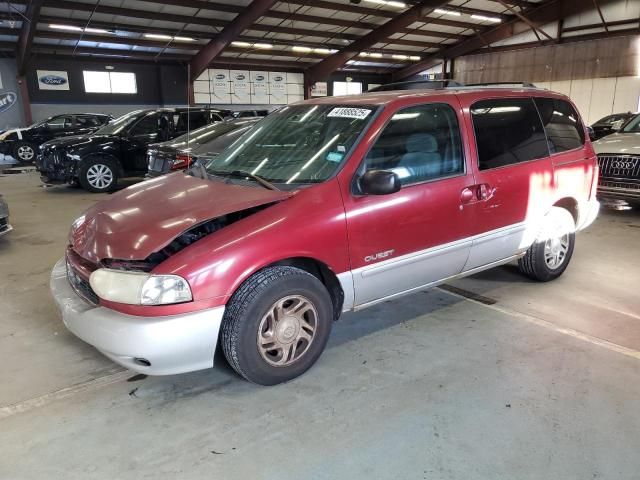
point(326, 206)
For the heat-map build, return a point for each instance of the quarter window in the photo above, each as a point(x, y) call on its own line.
point(418, 144)
point(59, 123)
point(561, 123)
point(147, 125)
point(508, 131)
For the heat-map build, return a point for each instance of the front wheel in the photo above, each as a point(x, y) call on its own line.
point(550, 254)
point(24, 152)
point(276, 325)
point(98, 175)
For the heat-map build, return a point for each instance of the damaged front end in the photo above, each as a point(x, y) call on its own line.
point(55, 165)
point(181, 242)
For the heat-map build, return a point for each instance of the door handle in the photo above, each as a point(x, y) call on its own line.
point(468, 195)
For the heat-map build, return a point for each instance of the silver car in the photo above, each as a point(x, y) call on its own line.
point(5, 226)
point(619, 163)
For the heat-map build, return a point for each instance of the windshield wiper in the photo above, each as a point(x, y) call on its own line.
point(244, 174)
point(201, 170)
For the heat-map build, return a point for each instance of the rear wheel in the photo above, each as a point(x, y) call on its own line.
point(276, 325)
point(550, 254)
point(98, 175)
point(24, 152)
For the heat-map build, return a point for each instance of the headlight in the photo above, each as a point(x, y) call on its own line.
point(137, 288)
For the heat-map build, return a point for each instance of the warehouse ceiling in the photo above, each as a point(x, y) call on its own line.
point(319, 36)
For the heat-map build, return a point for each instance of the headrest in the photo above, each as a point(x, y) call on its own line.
point(421, 142)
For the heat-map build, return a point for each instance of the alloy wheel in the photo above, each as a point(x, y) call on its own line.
point(25, 152)
point(555, 251)
point(287, 330)
point(100, 176)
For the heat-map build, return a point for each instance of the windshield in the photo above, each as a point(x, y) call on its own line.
point(297, 144)
point(189, 142)
point(633, 125)
point(120, 123)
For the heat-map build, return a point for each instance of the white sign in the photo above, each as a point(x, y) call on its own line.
point(220, 86)
point(278, 87)
point(260, 88)
point(52, 80)
point(344, 112)
point(240, 92)
point(319, 89)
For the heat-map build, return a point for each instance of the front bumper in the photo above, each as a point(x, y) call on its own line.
point(619, 189)
point(6, 147)
point(172, 344)
point(5, 226)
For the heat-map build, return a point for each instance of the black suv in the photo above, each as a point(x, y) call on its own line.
point(22, 143)
point(117, 150)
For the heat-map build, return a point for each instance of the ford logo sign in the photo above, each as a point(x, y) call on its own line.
point(221, 76)
point(7, 100)
point(240, 77)
point(53, 80)
point(278, 79)
point(259, 78)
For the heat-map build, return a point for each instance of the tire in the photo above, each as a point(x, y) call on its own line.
point(25, 152)
point(251, 319)
point(98, 175)
point(550, 254)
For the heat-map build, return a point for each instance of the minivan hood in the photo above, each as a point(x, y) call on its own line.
point(622, 143)
point(143, 219)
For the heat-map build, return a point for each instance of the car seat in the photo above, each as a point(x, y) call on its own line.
point(422, 159)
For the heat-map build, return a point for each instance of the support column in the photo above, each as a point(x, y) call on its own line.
point(24, 99)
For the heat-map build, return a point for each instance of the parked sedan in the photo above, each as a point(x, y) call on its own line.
point(610, 124)
point(5, 226)
point(181, 152)
point(619, 162)
point(22, 143)
point(97, 161)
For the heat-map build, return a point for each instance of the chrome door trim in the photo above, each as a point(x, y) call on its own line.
point(438, 282)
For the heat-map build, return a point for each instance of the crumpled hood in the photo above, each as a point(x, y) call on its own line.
point(142, 219)
point(619, 143)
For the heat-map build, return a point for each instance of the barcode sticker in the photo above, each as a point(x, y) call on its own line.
point(343, 112)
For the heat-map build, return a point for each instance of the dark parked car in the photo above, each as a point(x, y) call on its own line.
point(5, 226)
point(117, 150)
point(22, 143)
point(181, 152)
point(610, 124)
point(249, 113)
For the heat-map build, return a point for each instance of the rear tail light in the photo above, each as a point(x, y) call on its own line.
point(183, 160)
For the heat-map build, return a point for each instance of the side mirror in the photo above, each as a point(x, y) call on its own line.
point(379, 182)
point(592, 133)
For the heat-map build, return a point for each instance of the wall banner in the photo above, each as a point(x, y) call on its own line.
point(260, 88)
point(278, 87)
point(53, 80)
point(220, 83)
point(240, 92)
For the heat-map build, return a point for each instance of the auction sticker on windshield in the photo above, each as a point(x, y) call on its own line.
point(359, 113)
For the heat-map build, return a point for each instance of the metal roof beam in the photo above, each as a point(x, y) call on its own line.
point(544, 13)
point(323, 69)
point(25, 39)
point(253, 11)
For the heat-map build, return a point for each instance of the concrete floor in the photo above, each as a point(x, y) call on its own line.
point(543, 384)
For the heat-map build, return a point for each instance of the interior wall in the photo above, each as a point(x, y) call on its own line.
point(601, 76)
point(13, 116)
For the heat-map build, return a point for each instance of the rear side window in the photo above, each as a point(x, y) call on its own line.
point(508, 131)
point(561, 123)
point(87, 121)
point(419, 143)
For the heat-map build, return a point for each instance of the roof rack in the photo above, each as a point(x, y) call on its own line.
point(501, 84)
point(416, 85)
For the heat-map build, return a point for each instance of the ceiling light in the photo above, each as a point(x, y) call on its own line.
point(297, 48)
point(95, 30)
point(184, 39)
point(158, 36)
point(241, 44)
point(486, 19)
point(399, 57)
point(442, 11)
point(389, 3)
point(414, 57)
point(324, 51)
point(262, 45)
point(65, 27)
point(375, 55)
